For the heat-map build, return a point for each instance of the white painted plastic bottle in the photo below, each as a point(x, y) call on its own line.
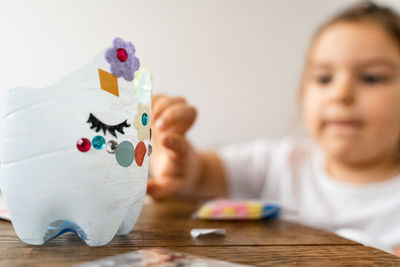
point(65, 170)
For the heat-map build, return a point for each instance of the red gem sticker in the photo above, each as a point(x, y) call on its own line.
point(140, 152)
point(122, 55)
point(83, 144)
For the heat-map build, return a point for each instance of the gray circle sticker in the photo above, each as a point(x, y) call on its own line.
point(125, 154)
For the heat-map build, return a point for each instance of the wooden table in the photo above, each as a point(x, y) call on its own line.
point(167, 224)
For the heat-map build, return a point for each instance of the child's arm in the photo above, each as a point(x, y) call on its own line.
point(175, 166)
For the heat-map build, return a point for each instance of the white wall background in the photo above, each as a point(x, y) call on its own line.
point(237, 61)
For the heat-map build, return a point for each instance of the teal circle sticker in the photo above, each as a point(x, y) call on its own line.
point(125, 154)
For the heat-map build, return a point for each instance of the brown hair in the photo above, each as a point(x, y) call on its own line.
point(368, 11)
point(362, 11)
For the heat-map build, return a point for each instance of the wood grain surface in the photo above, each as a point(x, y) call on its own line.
point(167, 224)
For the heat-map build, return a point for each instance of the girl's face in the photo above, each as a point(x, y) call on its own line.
point(351, 92)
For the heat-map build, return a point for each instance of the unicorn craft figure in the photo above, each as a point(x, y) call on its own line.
point(74, 156)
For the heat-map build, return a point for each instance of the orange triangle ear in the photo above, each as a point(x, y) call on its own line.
point(108, 82)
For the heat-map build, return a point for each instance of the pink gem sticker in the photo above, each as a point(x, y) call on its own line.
point(122, 55)
point(83, 144)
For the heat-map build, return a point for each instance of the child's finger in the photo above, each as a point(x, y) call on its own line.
point(162, 188)
point(177, 144)
point(179, 117)
point(156, 98)
point(161, 103)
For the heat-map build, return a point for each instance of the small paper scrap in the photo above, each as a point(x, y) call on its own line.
point(3, 210)
point(198, 232)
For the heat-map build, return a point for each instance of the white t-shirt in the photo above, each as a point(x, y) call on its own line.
point(292, 174)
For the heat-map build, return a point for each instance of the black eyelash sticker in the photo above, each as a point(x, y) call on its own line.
point(98, 125)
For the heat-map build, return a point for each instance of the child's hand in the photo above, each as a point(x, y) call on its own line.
point(396, 251)
point(174, 164)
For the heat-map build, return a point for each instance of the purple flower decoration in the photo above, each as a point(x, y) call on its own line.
point(122, 59)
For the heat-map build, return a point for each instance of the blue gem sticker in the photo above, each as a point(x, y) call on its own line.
point(145, 119)
point(98, 142)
